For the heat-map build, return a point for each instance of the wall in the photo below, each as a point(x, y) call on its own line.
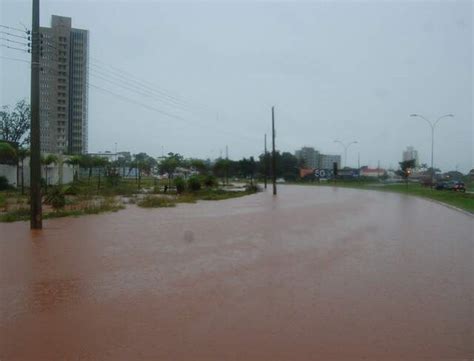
point(9, 171)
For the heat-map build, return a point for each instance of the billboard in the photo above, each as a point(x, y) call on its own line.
point(324, 173)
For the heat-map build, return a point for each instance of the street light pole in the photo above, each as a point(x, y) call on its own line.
point(346, 146)
point(273, 153)
point(265, 171)
point(432, 126)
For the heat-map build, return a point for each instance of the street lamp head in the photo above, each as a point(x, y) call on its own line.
point(413, 115)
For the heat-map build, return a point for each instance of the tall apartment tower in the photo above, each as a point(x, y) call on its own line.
point(64, 87)
point(411, 154)
point(309, 155)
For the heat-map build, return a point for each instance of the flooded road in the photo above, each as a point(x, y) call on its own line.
point(316, 273)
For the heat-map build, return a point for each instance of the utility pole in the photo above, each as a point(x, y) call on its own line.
point(226, 165)
point(265, 170)
point(36, 216)
point(273, 153)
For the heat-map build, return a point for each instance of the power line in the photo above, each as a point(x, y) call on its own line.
point(128, 85)
point(163, 96)
point(163, 112)
point(13, 41)
point(12, 28)
point(124, 83)
point(149, 85)
point(124, 75)
point(14, 35)
point(14, 48)
point(138, 103)
point(14, 59)
point(129, 82)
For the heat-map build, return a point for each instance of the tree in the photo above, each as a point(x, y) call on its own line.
point(22, 153)
point(405, 169)
point(199, 165)
point(100, 163)
point(124, 160)
point(169, 164)
point(75, 162)
point(86, 162)
point(7, 154)
point(287, 165)
point(15, 124)
point(220, 167)
point(248, 168)
point(47, 161)
point(144, 164)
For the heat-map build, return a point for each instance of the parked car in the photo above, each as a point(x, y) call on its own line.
point(441, 186)
point(456, 186)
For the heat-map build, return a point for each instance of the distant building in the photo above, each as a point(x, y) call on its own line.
point(309, 155)
point(106, 155)
point(371, 172)
point(326, 161)
point(64, 88)
point(411, 154)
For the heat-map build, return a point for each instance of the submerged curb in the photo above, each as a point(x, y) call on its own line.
point(450, 206)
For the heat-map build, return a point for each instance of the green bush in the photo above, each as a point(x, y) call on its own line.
point(21, 214)
point(194, 184)
point(55, 197)
point(72, 190)
point(4, 183)
point(155, 202)
point(252, 188)
point(210, 181)
point(180, 185)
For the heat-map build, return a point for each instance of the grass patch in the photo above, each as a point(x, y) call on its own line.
point(20, 214)
point(3, 200)
point(151, 201)
point(463, 201)
point(186, 198)
point(220, 194)
point(100, 206)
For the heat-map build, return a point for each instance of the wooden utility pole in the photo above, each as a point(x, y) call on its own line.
point(273, 153)
point(36, 217)
point(226, 165)
point(265, 165)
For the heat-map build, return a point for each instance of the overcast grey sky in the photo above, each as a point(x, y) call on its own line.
point(334, 70)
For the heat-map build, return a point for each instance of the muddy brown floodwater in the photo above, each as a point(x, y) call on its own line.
point(315, 273)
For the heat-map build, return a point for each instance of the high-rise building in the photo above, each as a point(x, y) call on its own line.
point(326, 161)
point(411, 154)
point(309, 155)
point(64, 87)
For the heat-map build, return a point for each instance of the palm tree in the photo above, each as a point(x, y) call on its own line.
point(99, 162)
point(47, 161)
point(22, 153)
point(85, 161)
point(75, 162)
